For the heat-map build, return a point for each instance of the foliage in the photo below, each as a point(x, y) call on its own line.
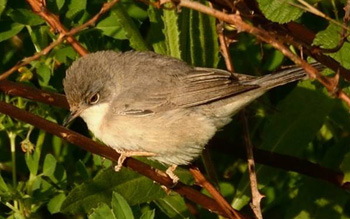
point(51, 177)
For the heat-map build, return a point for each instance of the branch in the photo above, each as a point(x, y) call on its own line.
point(200, 180)
point(53, 20)
point(107, 152)
point(236, 20)
point(106, 6)
point(256, 195)
point(285, 162)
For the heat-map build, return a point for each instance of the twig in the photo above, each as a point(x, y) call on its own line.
point(256, 195)
point(39, 7)
point(285, 162)
point(224, 46)
point(106, 6)
point(226, 207)
point(107, 152)
point(263, 35)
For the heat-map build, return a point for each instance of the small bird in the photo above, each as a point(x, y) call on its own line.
point(145, 104)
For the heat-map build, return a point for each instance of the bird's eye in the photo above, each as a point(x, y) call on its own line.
point(94, 99)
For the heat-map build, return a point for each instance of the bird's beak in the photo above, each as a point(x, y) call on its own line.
point(71, 116)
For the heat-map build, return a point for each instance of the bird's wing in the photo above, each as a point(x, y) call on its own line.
point(201, 86)
point(205, 85)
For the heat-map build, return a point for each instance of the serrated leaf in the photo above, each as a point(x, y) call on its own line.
point(55, 203)
point(155, 36)
point(75, 7)
point(8, 30)
point(171, 32)
point(121, 208)
point(173, 206)
point(280, 11)
point(204, 47)
point(289, 130)
point(49, 165)
point(149, 214)
point(102, 211)
point(329, 38)
point(130, 29)
point(133, 187)
point(26, 17)
point(111, 27)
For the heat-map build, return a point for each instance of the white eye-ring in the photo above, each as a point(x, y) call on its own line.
point(94, 99)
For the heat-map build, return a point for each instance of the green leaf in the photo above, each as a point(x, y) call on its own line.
point(171, 32)
point(345, 168)
point(121, 208)
point(136, 189)
point(102, 211)
point(204, 47)
point(32, 161)
point(148, 214)
point(49, 165)
point(2, 6)
point(318, 199)
point(26, 17)
point(130, 29)
point(173, 206)
point(289, 130)
point(134, 10)
point(55, 203)
point(8, 30)
point(155, 36)
point(3, 186)
point(44, 74)
point(63, 54)
point(75, 7)
point(280, 11)
point(111, 27)
point(329, 38)
point(40, 36)
point(81, 169)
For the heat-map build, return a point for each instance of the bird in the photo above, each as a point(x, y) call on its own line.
point(152, 105)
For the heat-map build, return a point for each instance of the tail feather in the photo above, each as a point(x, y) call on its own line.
point(284, 77)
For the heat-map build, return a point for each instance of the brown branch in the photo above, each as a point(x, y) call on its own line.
point(200, 180)
point(224, 47)
point(39, 8)
point(285, 162)
point(256, 195)
point(31, 93)
point(106, 6)
point(236, 20)
point(107, 152)
point(26, 61)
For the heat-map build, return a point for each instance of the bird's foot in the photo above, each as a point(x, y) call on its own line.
point(126, 154)
point(171, 174)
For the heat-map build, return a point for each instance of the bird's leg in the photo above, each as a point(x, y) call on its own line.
point(171, 174)
point(126, 154)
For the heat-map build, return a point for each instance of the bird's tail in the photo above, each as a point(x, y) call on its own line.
point(284, 77)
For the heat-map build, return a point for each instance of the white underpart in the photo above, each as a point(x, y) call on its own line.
point(93, 116)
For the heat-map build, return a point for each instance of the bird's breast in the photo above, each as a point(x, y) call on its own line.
point(94, 117)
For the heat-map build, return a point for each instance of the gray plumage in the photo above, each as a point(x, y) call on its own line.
point(153, 103)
